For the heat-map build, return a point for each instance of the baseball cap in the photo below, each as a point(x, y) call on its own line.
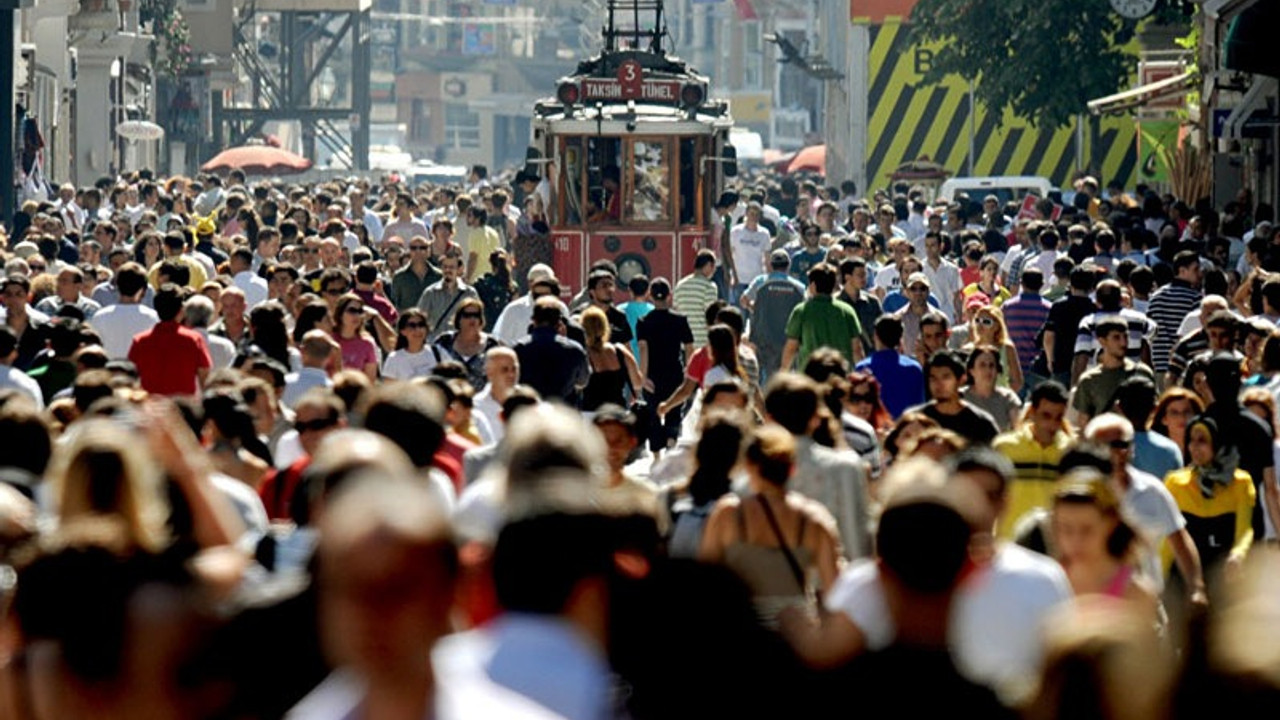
point(918, 278)
point(660, 288)
point(977, 300)
point(779, 258)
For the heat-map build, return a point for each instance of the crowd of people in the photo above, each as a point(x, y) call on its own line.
point(352, 449)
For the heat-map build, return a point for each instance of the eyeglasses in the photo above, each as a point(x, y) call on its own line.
point(353, 310)
point(334, 291)
point(475, 315)
point(303, 426)
point(985, 321)
point(423, 248)
point(1121, 444)
point(415, 326)
point(918, 288)
point(862, 398)
point(309, 251)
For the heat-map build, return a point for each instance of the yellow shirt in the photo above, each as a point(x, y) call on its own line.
point(198, 275)
point(482, 241)
point(1222, 525)
point(1035, 473)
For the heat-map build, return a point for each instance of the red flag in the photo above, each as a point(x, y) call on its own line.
point(746, 11)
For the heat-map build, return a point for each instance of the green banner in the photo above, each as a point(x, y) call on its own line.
point(1157, 141)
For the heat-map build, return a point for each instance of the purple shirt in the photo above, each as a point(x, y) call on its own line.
point(1025, 316)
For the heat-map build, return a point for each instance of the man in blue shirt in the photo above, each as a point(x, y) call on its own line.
point(901, 378)
point(1153, 453)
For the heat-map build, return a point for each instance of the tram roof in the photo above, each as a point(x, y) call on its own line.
point(638, 119)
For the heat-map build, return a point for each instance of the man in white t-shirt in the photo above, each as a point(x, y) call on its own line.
point(751, 245)
point(997, 613)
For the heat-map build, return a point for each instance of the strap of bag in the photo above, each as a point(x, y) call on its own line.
point(445, 314)
point(782, 544)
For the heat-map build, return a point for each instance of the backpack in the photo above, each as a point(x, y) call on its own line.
point(688, 521)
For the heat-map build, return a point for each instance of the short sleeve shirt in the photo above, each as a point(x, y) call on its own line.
point(823, 322)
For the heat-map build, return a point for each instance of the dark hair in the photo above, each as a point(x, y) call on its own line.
point(889, 330)
point(1108, 325)
point(638, 284)
point(269, 331)
point(946, 359)
point(791, 400)
point(1184, 259)
point(980, 350)
point(924, 545)
point(168, 301)
point(703, 258)
point(1136, 397)
point(408, 415)
point(981, 458)
point(1049, 391)
point(1033, 279)
point(934, 317)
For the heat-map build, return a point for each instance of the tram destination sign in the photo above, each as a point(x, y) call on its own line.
point(660, 91)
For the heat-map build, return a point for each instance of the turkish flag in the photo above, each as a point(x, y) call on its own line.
point(746, 11)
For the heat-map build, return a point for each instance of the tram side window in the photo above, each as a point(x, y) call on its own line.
point(688, 181)
point(574, 165)
point(604, 179)
point(651, 182)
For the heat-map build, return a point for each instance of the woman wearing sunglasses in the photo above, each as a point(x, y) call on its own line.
point(358, 349)
point(412, 357)
point(988, 328)
point(468, 342)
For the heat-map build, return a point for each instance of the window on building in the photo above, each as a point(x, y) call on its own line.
point(461, 126)
point(752, 55)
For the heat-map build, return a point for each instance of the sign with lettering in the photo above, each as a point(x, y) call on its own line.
point(659, 91)
point(631, 78)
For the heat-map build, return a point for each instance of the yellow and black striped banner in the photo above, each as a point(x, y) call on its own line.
point(908, 120)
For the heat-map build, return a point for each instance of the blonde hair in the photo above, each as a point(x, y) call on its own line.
point(105, 473)
point(595, 325)
point(1002, 330)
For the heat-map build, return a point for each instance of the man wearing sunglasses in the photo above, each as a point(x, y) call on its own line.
point(1148, 505)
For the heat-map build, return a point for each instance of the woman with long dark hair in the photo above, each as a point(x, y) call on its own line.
point(468, 342)
point(689, 502)
point(413, 357)
point(269, 333)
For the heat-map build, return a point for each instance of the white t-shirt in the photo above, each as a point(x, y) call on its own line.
point(750, 251)
point(995, 619)
point(404, 365)
point(1155, 516)
point(117, 324)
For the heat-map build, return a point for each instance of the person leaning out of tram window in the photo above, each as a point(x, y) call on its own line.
point(1216, 497)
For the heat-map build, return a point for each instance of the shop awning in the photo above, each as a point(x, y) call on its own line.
point(1137, 97)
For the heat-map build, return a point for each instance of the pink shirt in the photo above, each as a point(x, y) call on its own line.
point(358, 352)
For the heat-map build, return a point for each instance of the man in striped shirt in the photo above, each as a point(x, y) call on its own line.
point(695, 292)
point(1141, 331)
point(1024, 316)
point(1170, 304)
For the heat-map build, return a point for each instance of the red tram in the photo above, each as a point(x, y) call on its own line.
point(635, 153)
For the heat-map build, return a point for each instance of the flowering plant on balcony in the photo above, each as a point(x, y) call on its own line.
point(173, 36)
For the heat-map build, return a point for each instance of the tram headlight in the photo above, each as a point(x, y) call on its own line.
point(692, 95)
point(568, 93)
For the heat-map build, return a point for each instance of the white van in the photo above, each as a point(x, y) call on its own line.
point(1006, 187)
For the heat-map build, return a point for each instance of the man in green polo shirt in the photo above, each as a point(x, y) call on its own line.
point(821, 321)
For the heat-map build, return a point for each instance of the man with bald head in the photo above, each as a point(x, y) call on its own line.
point(502, 370)
point(1195, 342)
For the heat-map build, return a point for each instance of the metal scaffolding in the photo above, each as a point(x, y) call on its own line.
point(307, 61)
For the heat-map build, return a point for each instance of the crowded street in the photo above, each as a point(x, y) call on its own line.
point(615, 359)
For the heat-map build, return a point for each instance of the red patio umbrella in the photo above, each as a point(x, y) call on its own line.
point(257, 160)
point(812, 158)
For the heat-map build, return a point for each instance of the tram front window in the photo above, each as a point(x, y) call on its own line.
point(651, 182)
point(604, 180)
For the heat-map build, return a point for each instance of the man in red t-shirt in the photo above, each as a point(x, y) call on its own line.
point(171, 359)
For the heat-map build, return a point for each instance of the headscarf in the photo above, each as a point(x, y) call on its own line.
point(1222, 469)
